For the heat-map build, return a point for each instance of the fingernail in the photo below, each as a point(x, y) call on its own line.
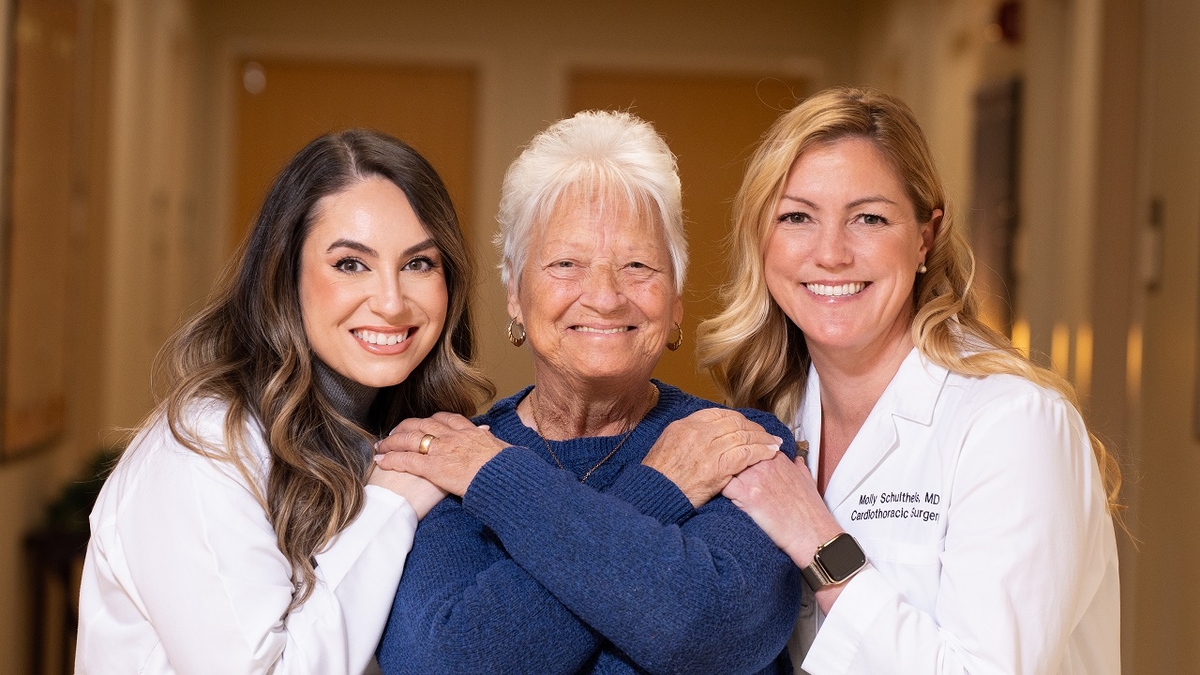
point(378, 458)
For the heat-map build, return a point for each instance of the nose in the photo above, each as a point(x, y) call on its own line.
point(388, 300)
point(831, 246)
point(602, 289)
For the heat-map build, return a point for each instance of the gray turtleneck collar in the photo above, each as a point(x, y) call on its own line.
point(351, 399)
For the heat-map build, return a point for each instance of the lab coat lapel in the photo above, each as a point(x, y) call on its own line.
point(874, 441)
point(911, 395)
point(808, 419)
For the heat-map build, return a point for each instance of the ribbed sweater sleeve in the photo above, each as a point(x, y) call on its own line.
point(651, 493)
point(534, 572)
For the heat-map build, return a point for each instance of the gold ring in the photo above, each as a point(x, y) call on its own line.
point(423, 448)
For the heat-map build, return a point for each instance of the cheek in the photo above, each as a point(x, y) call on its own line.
point(656, 301)
point(546, 299)
point(904, 255)
point(317, 315)
point(324, 301)
point(442, 303)
point(314, 297)
point(433, 297)
point(781, 253)
point(778, 265)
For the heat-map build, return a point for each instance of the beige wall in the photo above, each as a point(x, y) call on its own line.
point(930, 53)
point(1166, 612)
point(159, 257)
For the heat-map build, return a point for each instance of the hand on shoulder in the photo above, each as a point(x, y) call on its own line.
point(447, 449)
point(703, 451)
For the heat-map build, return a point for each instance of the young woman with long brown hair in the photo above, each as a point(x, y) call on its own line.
point(246, 528)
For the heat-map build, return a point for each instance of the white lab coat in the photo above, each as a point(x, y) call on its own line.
point(979, 504)
point(183, 573)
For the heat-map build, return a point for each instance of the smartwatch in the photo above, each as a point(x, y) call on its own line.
point(834, 562)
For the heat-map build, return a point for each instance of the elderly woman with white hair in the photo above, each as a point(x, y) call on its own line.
point(586, 531)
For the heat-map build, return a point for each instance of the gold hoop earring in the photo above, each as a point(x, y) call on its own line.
point(922, 269)
point(516, 340)
point(674, 345)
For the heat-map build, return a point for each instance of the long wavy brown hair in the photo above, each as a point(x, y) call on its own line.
point(247, 348)
point(754, 352)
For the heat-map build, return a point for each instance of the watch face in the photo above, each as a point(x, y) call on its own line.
point(842, 557)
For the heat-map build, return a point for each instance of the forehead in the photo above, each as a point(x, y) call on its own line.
point(847, 165)
point(603, 221)
point(370, 209)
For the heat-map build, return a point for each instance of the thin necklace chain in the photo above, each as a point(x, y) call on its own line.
point(588, 474)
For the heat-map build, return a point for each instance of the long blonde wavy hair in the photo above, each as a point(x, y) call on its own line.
point(758, 357)
point(248, 349)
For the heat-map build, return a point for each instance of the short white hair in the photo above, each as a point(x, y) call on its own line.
point(596, 152)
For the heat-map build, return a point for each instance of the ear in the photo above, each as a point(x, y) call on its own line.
point(514, 301)
point(677, 311)
point(929, 232)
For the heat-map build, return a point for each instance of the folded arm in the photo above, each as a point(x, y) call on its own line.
point(712, 594)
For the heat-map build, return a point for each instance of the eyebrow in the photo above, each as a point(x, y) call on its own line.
point(367, 250)
point(857, 202)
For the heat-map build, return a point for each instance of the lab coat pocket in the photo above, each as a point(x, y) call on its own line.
point(915, 567)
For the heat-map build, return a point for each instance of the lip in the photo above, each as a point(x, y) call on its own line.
point(403, 334)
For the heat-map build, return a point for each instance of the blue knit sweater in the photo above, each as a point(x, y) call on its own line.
point(533, 572)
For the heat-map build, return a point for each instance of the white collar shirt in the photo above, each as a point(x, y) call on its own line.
point(184, 574)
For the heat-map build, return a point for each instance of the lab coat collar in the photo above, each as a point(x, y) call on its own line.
point(912, 395)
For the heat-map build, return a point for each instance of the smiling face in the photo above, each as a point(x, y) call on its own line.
point(596, 294)
point(843, 251)
point(372, 286)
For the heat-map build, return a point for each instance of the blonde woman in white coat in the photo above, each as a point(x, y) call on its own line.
point(246, 529)
point(953, 514)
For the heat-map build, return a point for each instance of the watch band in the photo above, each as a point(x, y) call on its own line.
point(835, 562)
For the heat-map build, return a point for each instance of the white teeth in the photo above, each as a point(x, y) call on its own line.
point(388, 339)
point(604, 331)
point(836, 291)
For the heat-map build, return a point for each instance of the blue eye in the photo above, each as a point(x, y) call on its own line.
point(873, 219)
point(350, 265)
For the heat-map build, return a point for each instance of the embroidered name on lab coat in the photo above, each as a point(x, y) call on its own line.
point(922, 506)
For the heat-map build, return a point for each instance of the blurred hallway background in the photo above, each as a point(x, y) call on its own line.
point(140, 135)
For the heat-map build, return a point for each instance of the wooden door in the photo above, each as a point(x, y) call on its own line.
point(283, 103)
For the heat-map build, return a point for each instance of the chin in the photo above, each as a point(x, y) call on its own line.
point(601, 375)
point(380, 378)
